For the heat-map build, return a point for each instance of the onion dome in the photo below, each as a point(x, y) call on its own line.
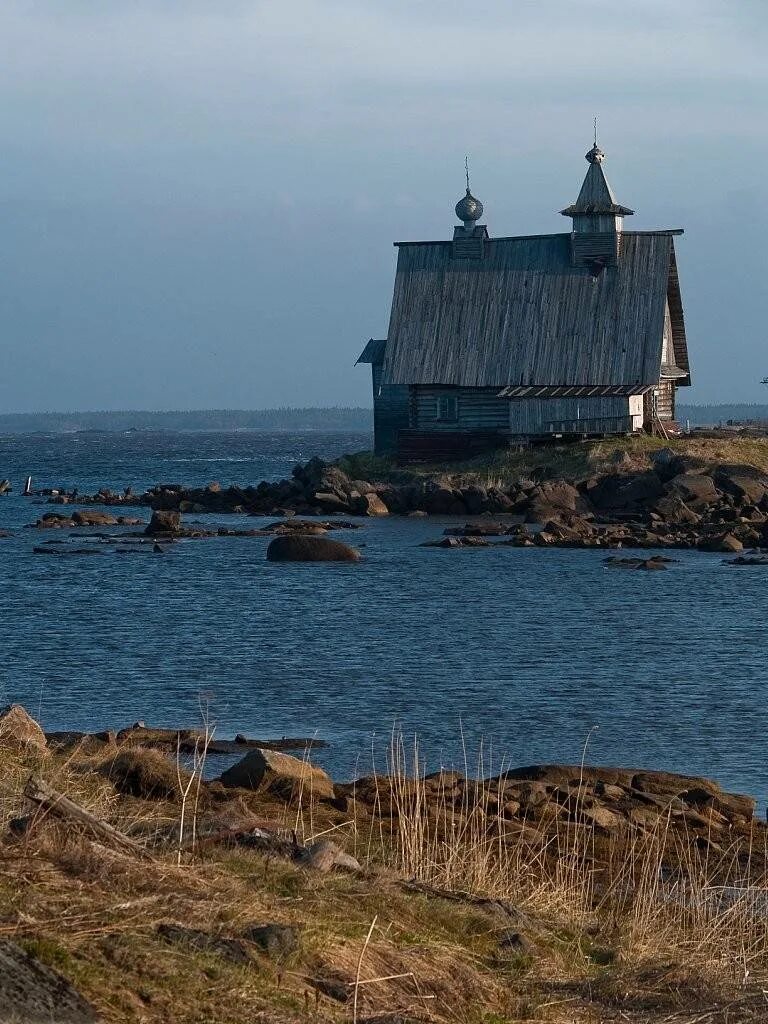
point(595, 155)
point(469, 209)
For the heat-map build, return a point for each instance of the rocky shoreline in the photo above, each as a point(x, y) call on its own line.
point(136, 887)
point(679, 502)
point(528, 800)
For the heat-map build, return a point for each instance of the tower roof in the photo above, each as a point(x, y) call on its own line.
point(596, 195)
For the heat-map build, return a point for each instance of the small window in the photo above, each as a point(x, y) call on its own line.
point(447, 408)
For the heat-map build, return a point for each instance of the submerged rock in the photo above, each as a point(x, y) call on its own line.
point(302, 548)
point(657, 562)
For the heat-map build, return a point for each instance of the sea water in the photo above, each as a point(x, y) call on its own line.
point(531, 653)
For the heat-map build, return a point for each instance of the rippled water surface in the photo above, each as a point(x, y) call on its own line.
point(527, 649)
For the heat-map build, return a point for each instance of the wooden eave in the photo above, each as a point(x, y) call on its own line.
point(679, 340)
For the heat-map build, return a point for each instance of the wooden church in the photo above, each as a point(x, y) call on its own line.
point(494, 341)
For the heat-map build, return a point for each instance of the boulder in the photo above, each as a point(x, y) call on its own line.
point(672, 509)
point(164, 522)
point(276, 940)
point(616, 491)
point(440, 500)
point(19, 730)
point(92, 517)
point(667, 464)
point(720, 542)
point(324, 855)
point(744, 482)
point(370, 504)
point(327, 501)
point(696, 489)
point(300, 548)
point(147, 774)
point(262, 769)
point(33, 993)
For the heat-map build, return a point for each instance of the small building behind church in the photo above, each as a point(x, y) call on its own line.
point(497, 341)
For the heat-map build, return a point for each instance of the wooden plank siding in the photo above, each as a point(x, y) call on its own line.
point(391, 413)
point(599, 415)
point(525, 315)
point(477, 409)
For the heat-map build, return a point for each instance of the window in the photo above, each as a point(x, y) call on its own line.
point(447, 408)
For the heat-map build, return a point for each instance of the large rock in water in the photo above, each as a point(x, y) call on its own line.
point(19, 730)
point(163, 522)
point(31, 993)
point(268, 768)
point(301, 548)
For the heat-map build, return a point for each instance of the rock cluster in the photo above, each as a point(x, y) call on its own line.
point(680, 502)
point(538, 798)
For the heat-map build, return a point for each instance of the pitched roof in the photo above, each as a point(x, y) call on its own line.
point(524, 315)
point(373, 351)
point(596, 195)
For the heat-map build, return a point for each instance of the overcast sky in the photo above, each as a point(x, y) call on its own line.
point(198, 199)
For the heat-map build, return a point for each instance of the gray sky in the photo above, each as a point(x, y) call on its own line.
point(198, 200)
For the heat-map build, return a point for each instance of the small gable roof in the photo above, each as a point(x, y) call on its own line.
point(373, 352)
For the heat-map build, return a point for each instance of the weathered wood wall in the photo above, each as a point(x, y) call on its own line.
point(391, 413)
point(477, 408)
point(600, 415)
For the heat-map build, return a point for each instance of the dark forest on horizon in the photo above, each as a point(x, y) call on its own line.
point(339, 418)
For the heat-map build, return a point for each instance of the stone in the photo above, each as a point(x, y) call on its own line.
point(327, 501)
point(276, 940)
point(727, 804)
point(602, 817)
point(147, 774)
point(299, 548)
point(475, 499)
point(164, 522)
point(19, 730)
point(516, 943)
point(33, 993)
point(439, 500)
point(720, 542)
point(695, 489)
point(616, 491)
point(261, 769)
point(668, 784)
point(673, 509)
point(744, 482)
point(371, 505)
point(324, 855)
point(609, 792)
point(92, 517)
point(53, 520)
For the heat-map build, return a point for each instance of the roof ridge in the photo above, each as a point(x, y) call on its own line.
point(550, 234)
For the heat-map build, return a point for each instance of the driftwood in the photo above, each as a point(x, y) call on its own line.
point(47, 798)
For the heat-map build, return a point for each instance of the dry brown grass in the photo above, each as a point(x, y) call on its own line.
point(574, 462)
point(606, 934)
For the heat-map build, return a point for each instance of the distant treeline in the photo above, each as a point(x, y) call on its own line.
point(337, 418)
point(711, 415)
